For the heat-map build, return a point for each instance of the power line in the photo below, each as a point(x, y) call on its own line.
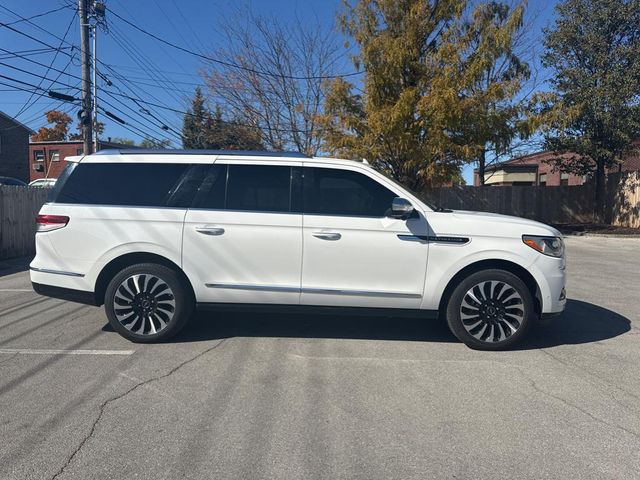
point(164, 107)
point(229, 64)
point(35, 25)
point(229, 122)
point(43, 78)
point(26, 106)
point(37, 87)
point(35, 16)
point(141, 60)
point(33, 38)
point(30, 52)
point(127, 126)
point(176, 136)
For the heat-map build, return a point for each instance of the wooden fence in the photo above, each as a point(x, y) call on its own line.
point(566, 204)
point(555, 205)
point(623, 190)
point(18, 209)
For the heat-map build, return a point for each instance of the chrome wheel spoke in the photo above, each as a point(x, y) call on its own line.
point(491, 311)
point(144, 304)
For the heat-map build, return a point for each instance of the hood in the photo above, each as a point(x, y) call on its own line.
point(462, 222)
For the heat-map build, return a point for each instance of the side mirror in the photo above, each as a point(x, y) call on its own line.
point(401, 208)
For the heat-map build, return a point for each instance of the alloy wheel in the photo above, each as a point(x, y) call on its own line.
point(492, 311)
point(144, 304)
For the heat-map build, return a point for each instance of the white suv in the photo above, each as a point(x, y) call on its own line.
point(153, 234)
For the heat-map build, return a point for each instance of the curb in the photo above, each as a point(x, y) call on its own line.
point(600, 235)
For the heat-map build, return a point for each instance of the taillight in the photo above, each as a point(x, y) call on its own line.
point(46, 223)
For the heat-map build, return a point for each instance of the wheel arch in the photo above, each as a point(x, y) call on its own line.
point(128, 259)
point(490, 264)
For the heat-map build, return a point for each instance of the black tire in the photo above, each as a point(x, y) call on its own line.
point(486, 307)
point(148, 303)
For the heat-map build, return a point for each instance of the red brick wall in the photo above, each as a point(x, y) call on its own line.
point(51, 169)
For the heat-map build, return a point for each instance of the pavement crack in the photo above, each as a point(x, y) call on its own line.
point(587, 373)
point(111, 400)
point(8, 359)
point(567, 403)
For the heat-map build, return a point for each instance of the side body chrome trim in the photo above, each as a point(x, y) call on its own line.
point(263, 288)
point(331, 291)
point(434, 239)
point(56, 272)
point(361, 293)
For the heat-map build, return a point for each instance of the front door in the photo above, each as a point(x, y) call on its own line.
point(353, 254)
point(242, 241)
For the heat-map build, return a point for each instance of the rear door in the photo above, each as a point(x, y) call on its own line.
point(354, 255)
point(243, 234)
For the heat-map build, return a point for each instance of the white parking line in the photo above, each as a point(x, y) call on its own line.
point(16, 290)
point(32, 351)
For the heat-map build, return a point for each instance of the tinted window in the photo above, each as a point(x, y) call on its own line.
point(212, 190)
point(260, 188)
point(330, 191)
point(135, 184)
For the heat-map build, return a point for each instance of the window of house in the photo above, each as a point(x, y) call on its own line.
point(329, 191)
point(564, 179)
point(542, 179)
point(38, 155)
point(54, 155)
point(79, 151)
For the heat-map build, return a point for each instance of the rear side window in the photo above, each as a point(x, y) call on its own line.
point(328, 191)
point(129, 184)
point(258, 188)
point(255, 188)
point(62, 179)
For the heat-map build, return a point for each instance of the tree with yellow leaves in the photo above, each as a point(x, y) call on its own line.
point(425, 108)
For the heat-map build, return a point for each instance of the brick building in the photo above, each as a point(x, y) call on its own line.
point(533, 170)
point(47, 159)
point(14, 148)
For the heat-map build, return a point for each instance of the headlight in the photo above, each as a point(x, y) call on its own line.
point(552, 246)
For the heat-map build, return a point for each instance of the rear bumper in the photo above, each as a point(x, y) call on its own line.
point(69, 294)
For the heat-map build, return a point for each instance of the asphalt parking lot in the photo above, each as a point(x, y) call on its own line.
point(283, 396)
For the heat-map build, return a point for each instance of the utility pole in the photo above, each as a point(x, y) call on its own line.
point(85, 115)
point(94, 31)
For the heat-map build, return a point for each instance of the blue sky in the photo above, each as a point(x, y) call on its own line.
point(159, 74)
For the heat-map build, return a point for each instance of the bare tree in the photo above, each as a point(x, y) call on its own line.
point(276, 85)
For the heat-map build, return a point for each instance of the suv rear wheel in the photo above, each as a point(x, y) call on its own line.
point(147, 303)
point(490, 310)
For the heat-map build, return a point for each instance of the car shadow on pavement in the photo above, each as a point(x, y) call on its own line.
point(225, 324)
point(582, 322)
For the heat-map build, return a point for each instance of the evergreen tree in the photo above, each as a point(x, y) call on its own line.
point(196, 122)
point(204, 129)
point(594, 113)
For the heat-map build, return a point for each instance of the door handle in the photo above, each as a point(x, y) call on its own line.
point(210, 230)
point(327, 235)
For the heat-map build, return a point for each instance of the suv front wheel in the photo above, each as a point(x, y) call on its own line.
point(147, 303)
point(490, 310)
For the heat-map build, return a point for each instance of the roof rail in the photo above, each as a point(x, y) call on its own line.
point(162, 151)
